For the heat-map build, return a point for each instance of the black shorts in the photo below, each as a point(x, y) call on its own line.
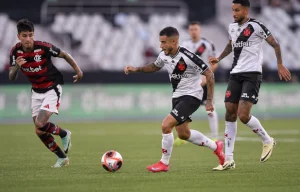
point(204, 98)
point(243, 86)
point(183, 107)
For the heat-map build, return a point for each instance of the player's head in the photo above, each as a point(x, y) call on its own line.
point(240, 9)
point(25, 33)
point(168, 38)
point(194, 30)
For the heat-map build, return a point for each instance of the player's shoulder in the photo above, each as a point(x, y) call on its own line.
point(43, 44)
point(187, 53)
point(206, 41)
point(256, 23)
point(16, 47)
point(233, 24)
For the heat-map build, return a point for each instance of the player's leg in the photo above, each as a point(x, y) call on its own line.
point(51, 102)
point(197, 138)
point(167, 145)
point(44, 132)
point(232, 97)
point(248, 98)
point(212, 117)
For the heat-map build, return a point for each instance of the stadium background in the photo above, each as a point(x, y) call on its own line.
point(104, 36)
point(109, 110)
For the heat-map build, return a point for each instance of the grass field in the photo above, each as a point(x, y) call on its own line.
point(25, 162)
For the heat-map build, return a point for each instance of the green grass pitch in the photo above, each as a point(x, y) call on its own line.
point(25, 162)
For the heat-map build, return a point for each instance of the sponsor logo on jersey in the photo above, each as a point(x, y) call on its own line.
point(242, 44)
point(189, 54)
point(19, 51)
point(32, 69)
point(179, 76)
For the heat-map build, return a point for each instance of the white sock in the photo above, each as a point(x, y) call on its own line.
point(257, 128)
point(213, 124)
point(230, 134)
point(167, 146)
point(198, 138)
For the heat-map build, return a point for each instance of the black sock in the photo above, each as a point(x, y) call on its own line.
point(54, 129)
point(50, 143)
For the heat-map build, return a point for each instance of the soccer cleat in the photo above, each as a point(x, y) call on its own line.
point(179, 141)
point(267, 150)
point(158, 167)
point(227, 165)
point(219, 152)
point(66, 141)
point(61, 162)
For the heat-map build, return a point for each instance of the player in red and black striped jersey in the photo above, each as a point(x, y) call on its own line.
point(33, 58)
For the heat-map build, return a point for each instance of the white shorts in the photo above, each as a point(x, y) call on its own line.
point(48, 101)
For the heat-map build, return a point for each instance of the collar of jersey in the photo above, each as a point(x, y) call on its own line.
point(244, 23)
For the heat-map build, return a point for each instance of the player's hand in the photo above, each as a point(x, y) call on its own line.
point(284, 73)
point(78, 76)
point(20, 61)
point(213, 60)
point(209, 106)
point(129, 69)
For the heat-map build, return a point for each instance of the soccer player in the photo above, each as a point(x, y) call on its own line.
point(33, 58)
point(204, 49)
point(185, 69)
point(246, 36)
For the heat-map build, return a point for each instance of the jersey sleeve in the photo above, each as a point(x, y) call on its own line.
point(159, 61)
point(54, 51)
point(51, 49)
point(197, 63)
point(229, 31)
point(262, 31)
point(12, 57)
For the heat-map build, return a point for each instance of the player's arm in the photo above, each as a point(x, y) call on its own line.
point(15, 65)
point(226, 51)
point(210, 83)
point(13, 73)
point(283, 72)
point(73, 64)
point(150, 68)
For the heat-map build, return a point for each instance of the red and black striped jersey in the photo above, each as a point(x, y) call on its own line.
point(39, 67)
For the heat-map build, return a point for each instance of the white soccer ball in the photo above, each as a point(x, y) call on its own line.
point(112, 161)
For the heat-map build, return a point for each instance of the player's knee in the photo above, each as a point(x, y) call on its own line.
point(230, 116)
point(39, 124)
point(244, 118)
point(184, 135)
point(166, 128)
point(38, 132)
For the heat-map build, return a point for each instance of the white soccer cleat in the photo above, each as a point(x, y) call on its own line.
point(267, 151)
point(66, 141)
point(227, 165)
point(61, 162)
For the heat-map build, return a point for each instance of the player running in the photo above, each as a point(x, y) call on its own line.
point(204, 49)
point(246, 36)
point(33, 58)
point(185, 69)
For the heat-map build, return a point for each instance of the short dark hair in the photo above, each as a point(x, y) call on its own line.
point(244, 3)
point(169, 31)
point(195, 23)
point(25, 25)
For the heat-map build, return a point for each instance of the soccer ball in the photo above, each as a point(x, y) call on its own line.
point(112, 161)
